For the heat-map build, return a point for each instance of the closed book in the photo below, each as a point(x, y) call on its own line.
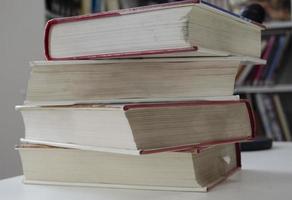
point(130, 80)
point(139, 128)
point(177, 171)
point(186, 28)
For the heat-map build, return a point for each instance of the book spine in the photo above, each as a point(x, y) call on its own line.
point(271, 114)
point(94, 6)
point(269, 59)
point(266, 54)
point(282, 117)
point(263, 115)
point(276, 60)
point(244, 74)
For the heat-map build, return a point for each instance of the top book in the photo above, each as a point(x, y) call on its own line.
point(185, 28)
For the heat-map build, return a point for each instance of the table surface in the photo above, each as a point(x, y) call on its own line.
point(264, 175)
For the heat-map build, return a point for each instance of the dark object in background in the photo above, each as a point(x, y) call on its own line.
point(257, 144)
point(62, 8)
point(148, 2)
point(254, 12)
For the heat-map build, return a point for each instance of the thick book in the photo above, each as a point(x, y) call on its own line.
point(130, 80)
point(139, 128)
point(186, 28)
point(177, 171)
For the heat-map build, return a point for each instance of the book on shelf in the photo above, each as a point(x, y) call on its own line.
point(277, 53)
point(283, 73)
point(245, 69)
point(259, 69)
point(112, 5)
point(282, 60)
point(273, 118)
point(139, 128)
point(263, 115)
point(270, 114)
point(129, 4)
point(98, 6)
point(130, 80)
point(186, 28)
point(276, 61)
point(282, 117)
point(176, 171)
point(285, 100)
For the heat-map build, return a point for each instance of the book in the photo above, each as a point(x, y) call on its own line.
point(130, 80)
point(270, 60)
point(244, 73)
point(112, 5)
point(282, 43)
point(284, 72)
point(273, 119)
point(129, 4)
point(139, 128)
point(282, 58)
point(260, 69)
point(186, 28)
point(86, 7)
point(282, 117)
point(97, 6)
point(176, 171)
point(246, 68)
point(259, 99)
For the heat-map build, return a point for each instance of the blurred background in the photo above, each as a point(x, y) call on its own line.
point(269, 88)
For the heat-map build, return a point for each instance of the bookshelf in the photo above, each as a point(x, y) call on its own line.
point(280, 88)
point(269, 88)
point(278, 25)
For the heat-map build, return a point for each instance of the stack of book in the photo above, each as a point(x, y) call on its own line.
point(139, 98)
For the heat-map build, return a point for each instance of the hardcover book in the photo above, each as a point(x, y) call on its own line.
point(177, 171)
point(130, 80)
point(139, 128)
point(185, 28)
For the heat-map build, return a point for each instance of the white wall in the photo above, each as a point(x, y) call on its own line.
point(21, 30)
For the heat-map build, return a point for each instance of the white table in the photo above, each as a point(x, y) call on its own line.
point(264, 175)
